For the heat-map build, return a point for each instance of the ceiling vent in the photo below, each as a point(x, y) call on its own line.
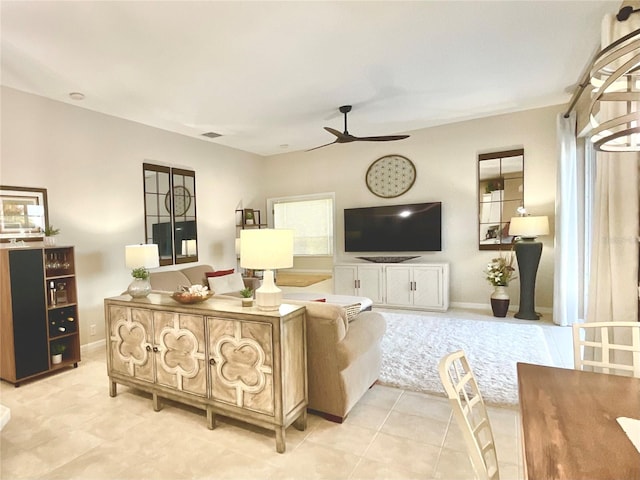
point(211, 135)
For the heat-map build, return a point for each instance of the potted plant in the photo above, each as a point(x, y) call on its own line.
point(140, 287)
point(49, 235)
point(498, 273)
point(247, 297)
point(57, 349)
point(248, 216)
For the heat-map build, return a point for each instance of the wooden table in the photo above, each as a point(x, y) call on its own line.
point(569, 423)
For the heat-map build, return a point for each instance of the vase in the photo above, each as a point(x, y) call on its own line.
point(139, 288)
point(49, 241)
point(56, 359)
point(500, 301)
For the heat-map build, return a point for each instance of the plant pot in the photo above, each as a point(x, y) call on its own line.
point(56, 359)
point(500, 301)
point(139, 288)
point(247, 302)
point(49, 241)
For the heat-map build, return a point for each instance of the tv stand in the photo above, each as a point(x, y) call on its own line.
point(422, 286)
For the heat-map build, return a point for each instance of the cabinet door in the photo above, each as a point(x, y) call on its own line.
point(428, 287)
point(370, 282)
point(241, 364)
point(179, 349)
point(130, 342)
point(344, 279)
point(29, 312)
point(398, 286)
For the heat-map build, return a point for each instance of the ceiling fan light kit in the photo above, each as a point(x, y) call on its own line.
point(614, 75)
point(346, 137)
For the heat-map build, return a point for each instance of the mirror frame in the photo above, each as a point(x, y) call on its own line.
point(170, 219)
point(506, 189)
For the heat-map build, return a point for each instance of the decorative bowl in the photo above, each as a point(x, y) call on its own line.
point(188, 297)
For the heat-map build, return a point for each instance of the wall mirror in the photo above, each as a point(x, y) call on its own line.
point(170, 213)
point(500, 194)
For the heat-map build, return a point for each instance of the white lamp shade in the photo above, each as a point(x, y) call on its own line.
point(266, 249)
point(529, 226)
point(146, 256)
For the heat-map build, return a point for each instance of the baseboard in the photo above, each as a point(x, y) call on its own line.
point(487, 306)
point(89, 347)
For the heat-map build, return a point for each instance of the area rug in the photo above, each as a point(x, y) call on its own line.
point(414, 344)
point(299, 279)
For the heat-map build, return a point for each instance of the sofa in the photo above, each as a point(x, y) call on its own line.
point(344, 355)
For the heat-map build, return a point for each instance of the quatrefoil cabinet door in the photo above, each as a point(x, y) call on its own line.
point(241, 364)
point(130, 338)
point(179, 350)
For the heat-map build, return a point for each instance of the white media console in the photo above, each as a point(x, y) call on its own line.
point(423, 286)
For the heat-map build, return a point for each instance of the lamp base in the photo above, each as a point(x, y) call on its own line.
point(528, 254)
point(268, 296)
point(139, 288)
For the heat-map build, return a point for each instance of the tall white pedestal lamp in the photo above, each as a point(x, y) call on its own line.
point(267, 249)
point(528, 253)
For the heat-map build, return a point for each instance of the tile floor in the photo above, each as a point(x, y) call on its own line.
point(65, 426)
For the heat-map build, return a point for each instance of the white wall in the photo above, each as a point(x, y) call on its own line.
point(446, 161)
point(91, 166)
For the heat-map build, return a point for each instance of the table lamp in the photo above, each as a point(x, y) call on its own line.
point(139, 258)
point(528, 253)
point(267, 249)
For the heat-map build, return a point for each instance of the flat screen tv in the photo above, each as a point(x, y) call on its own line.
point(394, 228)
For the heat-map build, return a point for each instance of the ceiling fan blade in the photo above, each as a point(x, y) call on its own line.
point(325, 145)
point(346, 137)
point(342, 137)
point(385, 138)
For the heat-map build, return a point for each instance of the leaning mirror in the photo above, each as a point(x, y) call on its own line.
point(170, 213)
point(500, 194)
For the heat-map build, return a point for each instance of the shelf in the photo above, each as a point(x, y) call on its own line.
point(59, 276)
point(61, 305)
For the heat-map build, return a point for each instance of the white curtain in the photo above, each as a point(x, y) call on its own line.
point(568, 278)
point(613, 290)
point(613, 284)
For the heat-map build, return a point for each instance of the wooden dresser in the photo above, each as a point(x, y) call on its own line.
point(227, 359)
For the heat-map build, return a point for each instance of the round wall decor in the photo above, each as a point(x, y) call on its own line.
point(390, 176)
point(181, 198)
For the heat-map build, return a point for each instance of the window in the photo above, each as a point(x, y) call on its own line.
point(170, 212)
point(311, 219)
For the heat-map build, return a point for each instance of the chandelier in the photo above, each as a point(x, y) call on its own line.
point(615, 77)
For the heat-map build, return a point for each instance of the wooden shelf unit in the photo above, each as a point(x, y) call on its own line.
point(39, 309)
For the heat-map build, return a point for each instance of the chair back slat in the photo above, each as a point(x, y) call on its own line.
point(470, 413)
point(607, 347)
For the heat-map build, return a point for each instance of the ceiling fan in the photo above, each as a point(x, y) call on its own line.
point(346, 137)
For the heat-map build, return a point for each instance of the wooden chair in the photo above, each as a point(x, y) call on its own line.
point(471, 414)
point(609, 354)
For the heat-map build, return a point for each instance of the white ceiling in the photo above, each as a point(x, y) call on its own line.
point(269, 76)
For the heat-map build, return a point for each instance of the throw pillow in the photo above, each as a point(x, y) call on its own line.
point(220, 273)
point(226, 283)
point(352, 311)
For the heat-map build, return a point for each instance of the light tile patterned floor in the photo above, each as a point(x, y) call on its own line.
point(65, 426)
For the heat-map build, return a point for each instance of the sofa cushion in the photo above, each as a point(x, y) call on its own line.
point(226, 283)
point(220, 273)
point(168, 280)
point(197, 274)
